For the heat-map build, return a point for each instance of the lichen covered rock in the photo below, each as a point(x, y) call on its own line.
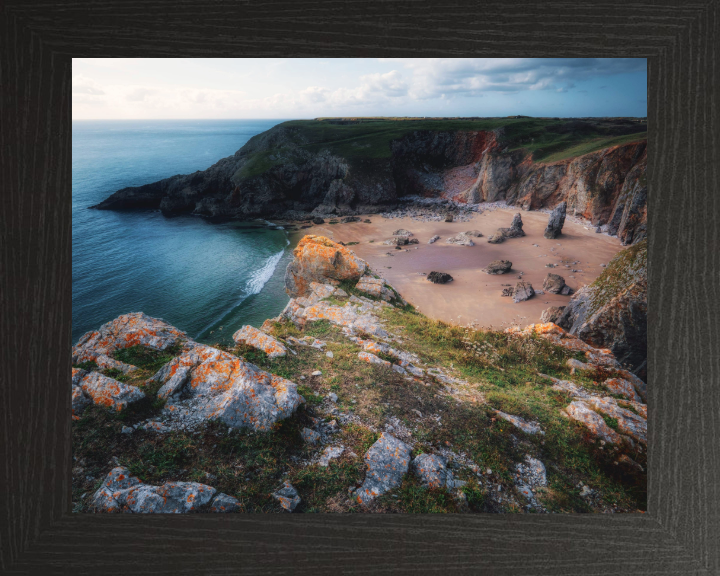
point(431, 469)
point(387, 462)
point(318, 259)
point(109, 393)
point(205, 383)
point(578, 410)
point(375, 287)
point(287, 496)
point(258, 339)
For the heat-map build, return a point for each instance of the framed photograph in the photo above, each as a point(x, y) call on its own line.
point(397, 309)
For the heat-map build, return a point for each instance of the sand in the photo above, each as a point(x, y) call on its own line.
point(473, 298)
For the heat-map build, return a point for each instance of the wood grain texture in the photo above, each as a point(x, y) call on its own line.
point(681, 531)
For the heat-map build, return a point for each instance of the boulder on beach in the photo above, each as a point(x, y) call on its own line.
point(556, 221)
point(319, 259)
point(473, 233)
point(515, 231)
point(498, 267)
point(448, 218)
point(439, 277)
point(553, 283)
point(349, 219)
point(397, 241)
point(318, 220)
point(434, 239)
point(402, 232)
point(461, 239)
point(523, 291)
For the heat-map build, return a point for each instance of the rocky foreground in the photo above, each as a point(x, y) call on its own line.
point(348, 401)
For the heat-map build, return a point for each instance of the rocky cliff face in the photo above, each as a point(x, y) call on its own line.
point(612, 311)
point(281, 174)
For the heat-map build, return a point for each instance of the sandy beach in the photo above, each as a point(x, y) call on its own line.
point(474, 297)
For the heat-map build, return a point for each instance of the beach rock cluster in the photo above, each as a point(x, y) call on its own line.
point(523, 291)
point(515, 231)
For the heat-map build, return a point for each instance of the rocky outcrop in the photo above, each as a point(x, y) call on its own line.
point(387, 461)
point(612, 311)
point(523, 291)
point(552, 314)
point(319, 259)
point(515, 231)
point(122, 492)
point(205, 383)
point(375, 287)
point(556, 221)
point(258, 339)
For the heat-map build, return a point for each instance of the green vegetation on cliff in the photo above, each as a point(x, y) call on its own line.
point(625, 269)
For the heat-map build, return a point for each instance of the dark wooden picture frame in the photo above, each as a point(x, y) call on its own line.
point(681, 531)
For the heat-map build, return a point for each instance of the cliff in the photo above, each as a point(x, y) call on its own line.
point(347, 167)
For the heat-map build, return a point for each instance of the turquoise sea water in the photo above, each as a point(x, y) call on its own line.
point(207, 279)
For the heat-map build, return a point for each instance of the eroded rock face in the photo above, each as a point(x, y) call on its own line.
point(612, 311)
point(206, 383)
point(258, 339)
point(122, 492)
point(319, 259)
point(125, 331)
point(387, 462)
point(556, 221)
point(498, 267)
point(515, 231)
point(551, 314)
point(439, 277)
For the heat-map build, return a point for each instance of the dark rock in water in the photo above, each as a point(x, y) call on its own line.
point(552, 314)
point(318, 220)
point(523, 291)
point(349, 219)
point(612, 311)
point(556, 221)
point(515, 231)
point(498, 267)
point(553, 283)
point(439, 277)
point(448, 218)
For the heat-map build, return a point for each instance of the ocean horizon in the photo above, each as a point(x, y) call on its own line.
point(207, 279)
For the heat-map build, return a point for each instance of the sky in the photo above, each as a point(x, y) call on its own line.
point(288, 88)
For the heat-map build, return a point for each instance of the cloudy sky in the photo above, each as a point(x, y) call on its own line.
point(308, 88)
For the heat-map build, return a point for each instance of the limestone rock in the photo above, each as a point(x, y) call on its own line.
point(121, 492)
point(109, 393)
point(125, 331)
point(556, 221)
point(372, 359)
point(375, 287)
point(622, 386)
point(287, 496)
point(431, 470)
point(612, 311)
point(205, 383)
point(522, 424)
point(629, 423)
point(310, 436)
point(319, 259)
point(330, 453)
point(498, 267)
point(551, 314)
point(580, 411)
point(553, 283)
point(258, 339)
point(461, 239)
point(387, 462)
point(515, 231)
point(439, 277)
point(523, 291)
point(225, 504)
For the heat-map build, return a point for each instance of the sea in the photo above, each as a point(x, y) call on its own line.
point(205, 278)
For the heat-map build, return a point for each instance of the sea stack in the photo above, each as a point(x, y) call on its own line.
point(515, 231)
point(556, 221)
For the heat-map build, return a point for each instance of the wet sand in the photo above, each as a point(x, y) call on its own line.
point(473, 298)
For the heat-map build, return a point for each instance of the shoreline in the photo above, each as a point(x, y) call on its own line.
point(473, 297)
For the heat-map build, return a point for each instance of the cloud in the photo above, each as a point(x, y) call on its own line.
point(438, 77)
point(83, 85)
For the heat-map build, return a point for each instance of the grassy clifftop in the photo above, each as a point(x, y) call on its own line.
point(547, 139)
